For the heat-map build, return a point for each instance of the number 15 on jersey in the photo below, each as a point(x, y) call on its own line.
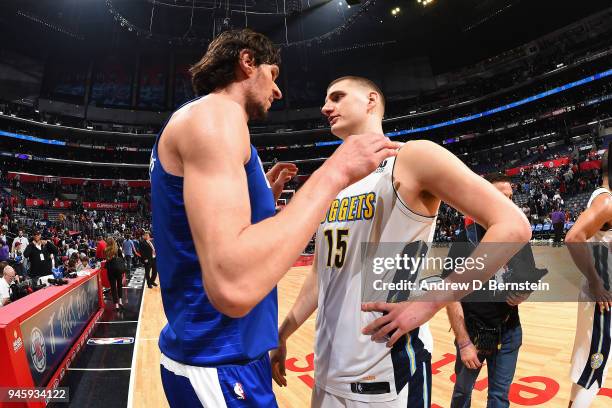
point(337, 246)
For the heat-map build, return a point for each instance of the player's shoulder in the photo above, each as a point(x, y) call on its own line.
point(601, 196)
point(420, 150)
point(212, 122)
point(419, 156)
point(210, 111)
point(601, 201)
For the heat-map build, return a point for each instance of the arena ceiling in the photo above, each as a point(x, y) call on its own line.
point(449, 32)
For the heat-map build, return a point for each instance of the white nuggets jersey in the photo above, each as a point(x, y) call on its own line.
point(368, 211)
point(591, 356)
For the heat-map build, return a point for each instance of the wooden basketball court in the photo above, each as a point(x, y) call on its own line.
point(541, 378)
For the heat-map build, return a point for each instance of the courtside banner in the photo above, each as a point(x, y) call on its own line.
point(109, 206)
point(491, 272)
point(61, 204)
point(35, 178)
point(548, 164)
point(49, 334)
point(35, 202)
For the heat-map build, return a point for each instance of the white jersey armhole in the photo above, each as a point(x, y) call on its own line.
point(599, 191)
point(403, 206)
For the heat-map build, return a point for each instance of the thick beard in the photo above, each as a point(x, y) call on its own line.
point(255, 109)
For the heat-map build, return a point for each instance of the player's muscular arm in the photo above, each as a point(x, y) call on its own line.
point(589, 222)
point(241, 263)
point(439, 173)
point(304, 306)
point(434, 171)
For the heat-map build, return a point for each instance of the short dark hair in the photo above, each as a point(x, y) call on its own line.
point(363, 82)
point(498, 178)
point(217, 67)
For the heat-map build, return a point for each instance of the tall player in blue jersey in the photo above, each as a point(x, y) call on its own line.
point(220, 248)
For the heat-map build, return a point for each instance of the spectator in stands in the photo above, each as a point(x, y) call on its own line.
point(147, 251)
point(83, 263)
point(526, 210)
point(72, 249)
point(575, 212)
point(137, 259)
point(115, 267)
point(558, 221)
point(83, 245)
point(52, 258)
point(100, 247)
point(39, 254)
point(73, 261)
point(22, 242)
point(128, 252)
point(18, 258)
point(8, 277)
point(20, 239)
point(3, 232)
point(4, 251)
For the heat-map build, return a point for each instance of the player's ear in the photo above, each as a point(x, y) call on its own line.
point(246, 62)
point(373, 101)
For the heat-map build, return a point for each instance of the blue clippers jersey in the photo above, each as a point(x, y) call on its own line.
point(196, 333)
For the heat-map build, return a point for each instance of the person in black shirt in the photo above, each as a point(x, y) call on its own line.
point(147, 252)
point(39, 254)
point(115, 268)
point(489, 330)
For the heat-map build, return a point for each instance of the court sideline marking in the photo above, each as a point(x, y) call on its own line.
point(133, 371)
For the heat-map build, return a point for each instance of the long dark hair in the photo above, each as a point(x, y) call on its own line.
point(111, 248)
point(217, 67)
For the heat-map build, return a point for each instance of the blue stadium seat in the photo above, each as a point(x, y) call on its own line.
point(546, 231)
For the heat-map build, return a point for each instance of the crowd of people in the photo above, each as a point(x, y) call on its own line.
point(34, 253)
point(35, 246)
point(546, 190)
point(85, 192)
point(539, 192)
